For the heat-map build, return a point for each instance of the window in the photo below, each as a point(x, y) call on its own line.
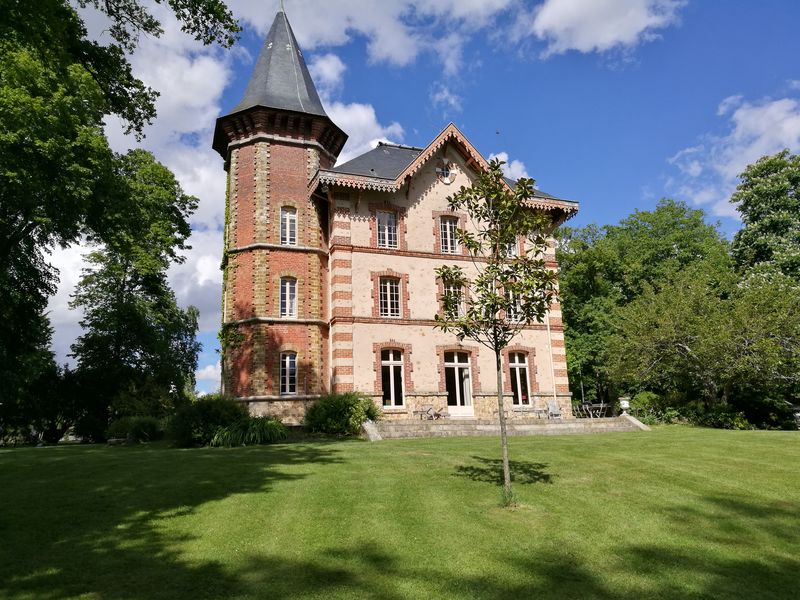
point(514, 312)
point(288, 297)
point(392, 377)
point(448, 227)
point(458, 294)
point(457, 379)
point(387, 229)
point(288, 226)
point(389, 293)
point(288, 373)
point(512, 249)
point(518, 367)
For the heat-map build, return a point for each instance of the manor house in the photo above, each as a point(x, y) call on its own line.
point(329, 281)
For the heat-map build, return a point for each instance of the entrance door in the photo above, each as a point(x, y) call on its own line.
point(459, 385)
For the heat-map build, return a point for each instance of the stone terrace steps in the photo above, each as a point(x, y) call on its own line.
point(476, 427)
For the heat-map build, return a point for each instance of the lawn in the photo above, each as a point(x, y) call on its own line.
point(675, 513)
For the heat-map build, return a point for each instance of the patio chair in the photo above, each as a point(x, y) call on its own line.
point(553, 410)
point(426, 412)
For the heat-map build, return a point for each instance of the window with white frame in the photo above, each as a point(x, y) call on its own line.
point(288, 373)
point(447, 229)
point(512, 249)
point(457, 293)
point(392, 377)
point(514, 312)
point(288, 297)
point(518, 367)
point(387, 229)
point(389, 297)
point(457, 379)
point(288, 226)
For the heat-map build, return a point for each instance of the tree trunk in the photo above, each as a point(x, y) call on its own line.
point(507, 498)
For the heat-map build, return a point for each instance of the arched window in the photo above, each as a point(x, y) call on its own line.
point(288, 226)
point(518, 367)
point(392, 377)
point(288, 373)
point(288, 297)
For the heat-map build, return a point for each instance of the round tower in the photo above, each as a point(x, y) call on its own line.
point(275, 259)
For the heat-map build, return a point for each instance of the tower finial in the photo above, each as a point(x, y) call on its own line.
point(282, 9)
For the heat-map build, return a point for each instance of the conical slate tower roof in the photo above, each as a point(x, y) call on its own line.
point(280, 78)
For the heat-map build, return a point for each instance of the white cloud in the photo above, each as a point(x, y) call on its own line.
point(444, 98)
point(794, 84)
point(728, 103)
point(327, 71)
point(599, 25)
point(209, 373)
point(513, 169)
point(710, 172)
point(361, 123)
point(396, 32)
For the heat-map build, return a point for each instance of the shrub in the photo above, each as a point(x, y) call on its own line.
point(195, 424)
point(722, 416)
point(250, 431)
point(341, 414)
point(136, 429)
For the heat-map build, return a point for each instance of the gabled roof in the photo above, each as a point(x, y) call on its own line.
point(280, 77)
point(385, 161)
point(386, 168)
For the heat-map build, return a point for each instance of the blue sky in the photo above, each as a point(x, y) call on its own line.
point(613, 103)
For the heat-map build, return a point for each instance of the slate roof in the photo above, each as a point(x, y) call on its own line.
point(537, 193)
point(280, 77)
point(385, 161)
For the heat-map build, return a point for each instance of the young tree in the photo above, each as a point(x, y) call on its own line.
point(137, 340)
point(506, 290)
point(768, 200)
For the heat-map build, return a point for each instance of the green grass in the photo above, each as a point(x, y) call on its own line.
point(676, 513)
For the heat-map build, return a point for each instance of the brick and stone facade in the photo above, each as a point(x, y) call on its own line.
point(279, 158)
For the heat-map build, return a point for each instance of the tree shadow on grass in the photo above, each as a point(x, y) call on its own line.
point(490, 470)
point(371, 569)
point(98, 522)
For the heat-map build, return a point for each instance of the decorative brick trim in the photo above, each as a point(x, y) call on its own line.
point(437, 232)
point(342, 336)
point(530, 354)
point(475, 371)
point(408, 367)
point(400, 214)
point(375, 277)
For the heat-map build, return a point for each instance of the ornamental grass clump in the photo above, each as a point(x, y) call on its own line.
point(341, 414)
point(250, 431)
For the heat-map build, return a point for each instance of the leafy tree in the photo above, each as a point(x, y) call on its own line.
point(506, 291)
point(768, 200)
point(138, 343)
point(721, 341)
point(603, 268)
point(58, 178)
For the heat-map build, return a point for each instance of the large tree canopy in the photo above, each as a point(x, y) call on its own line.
point(603, 268)
point(58, 178)
point(136, 337)
point(768, 200)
